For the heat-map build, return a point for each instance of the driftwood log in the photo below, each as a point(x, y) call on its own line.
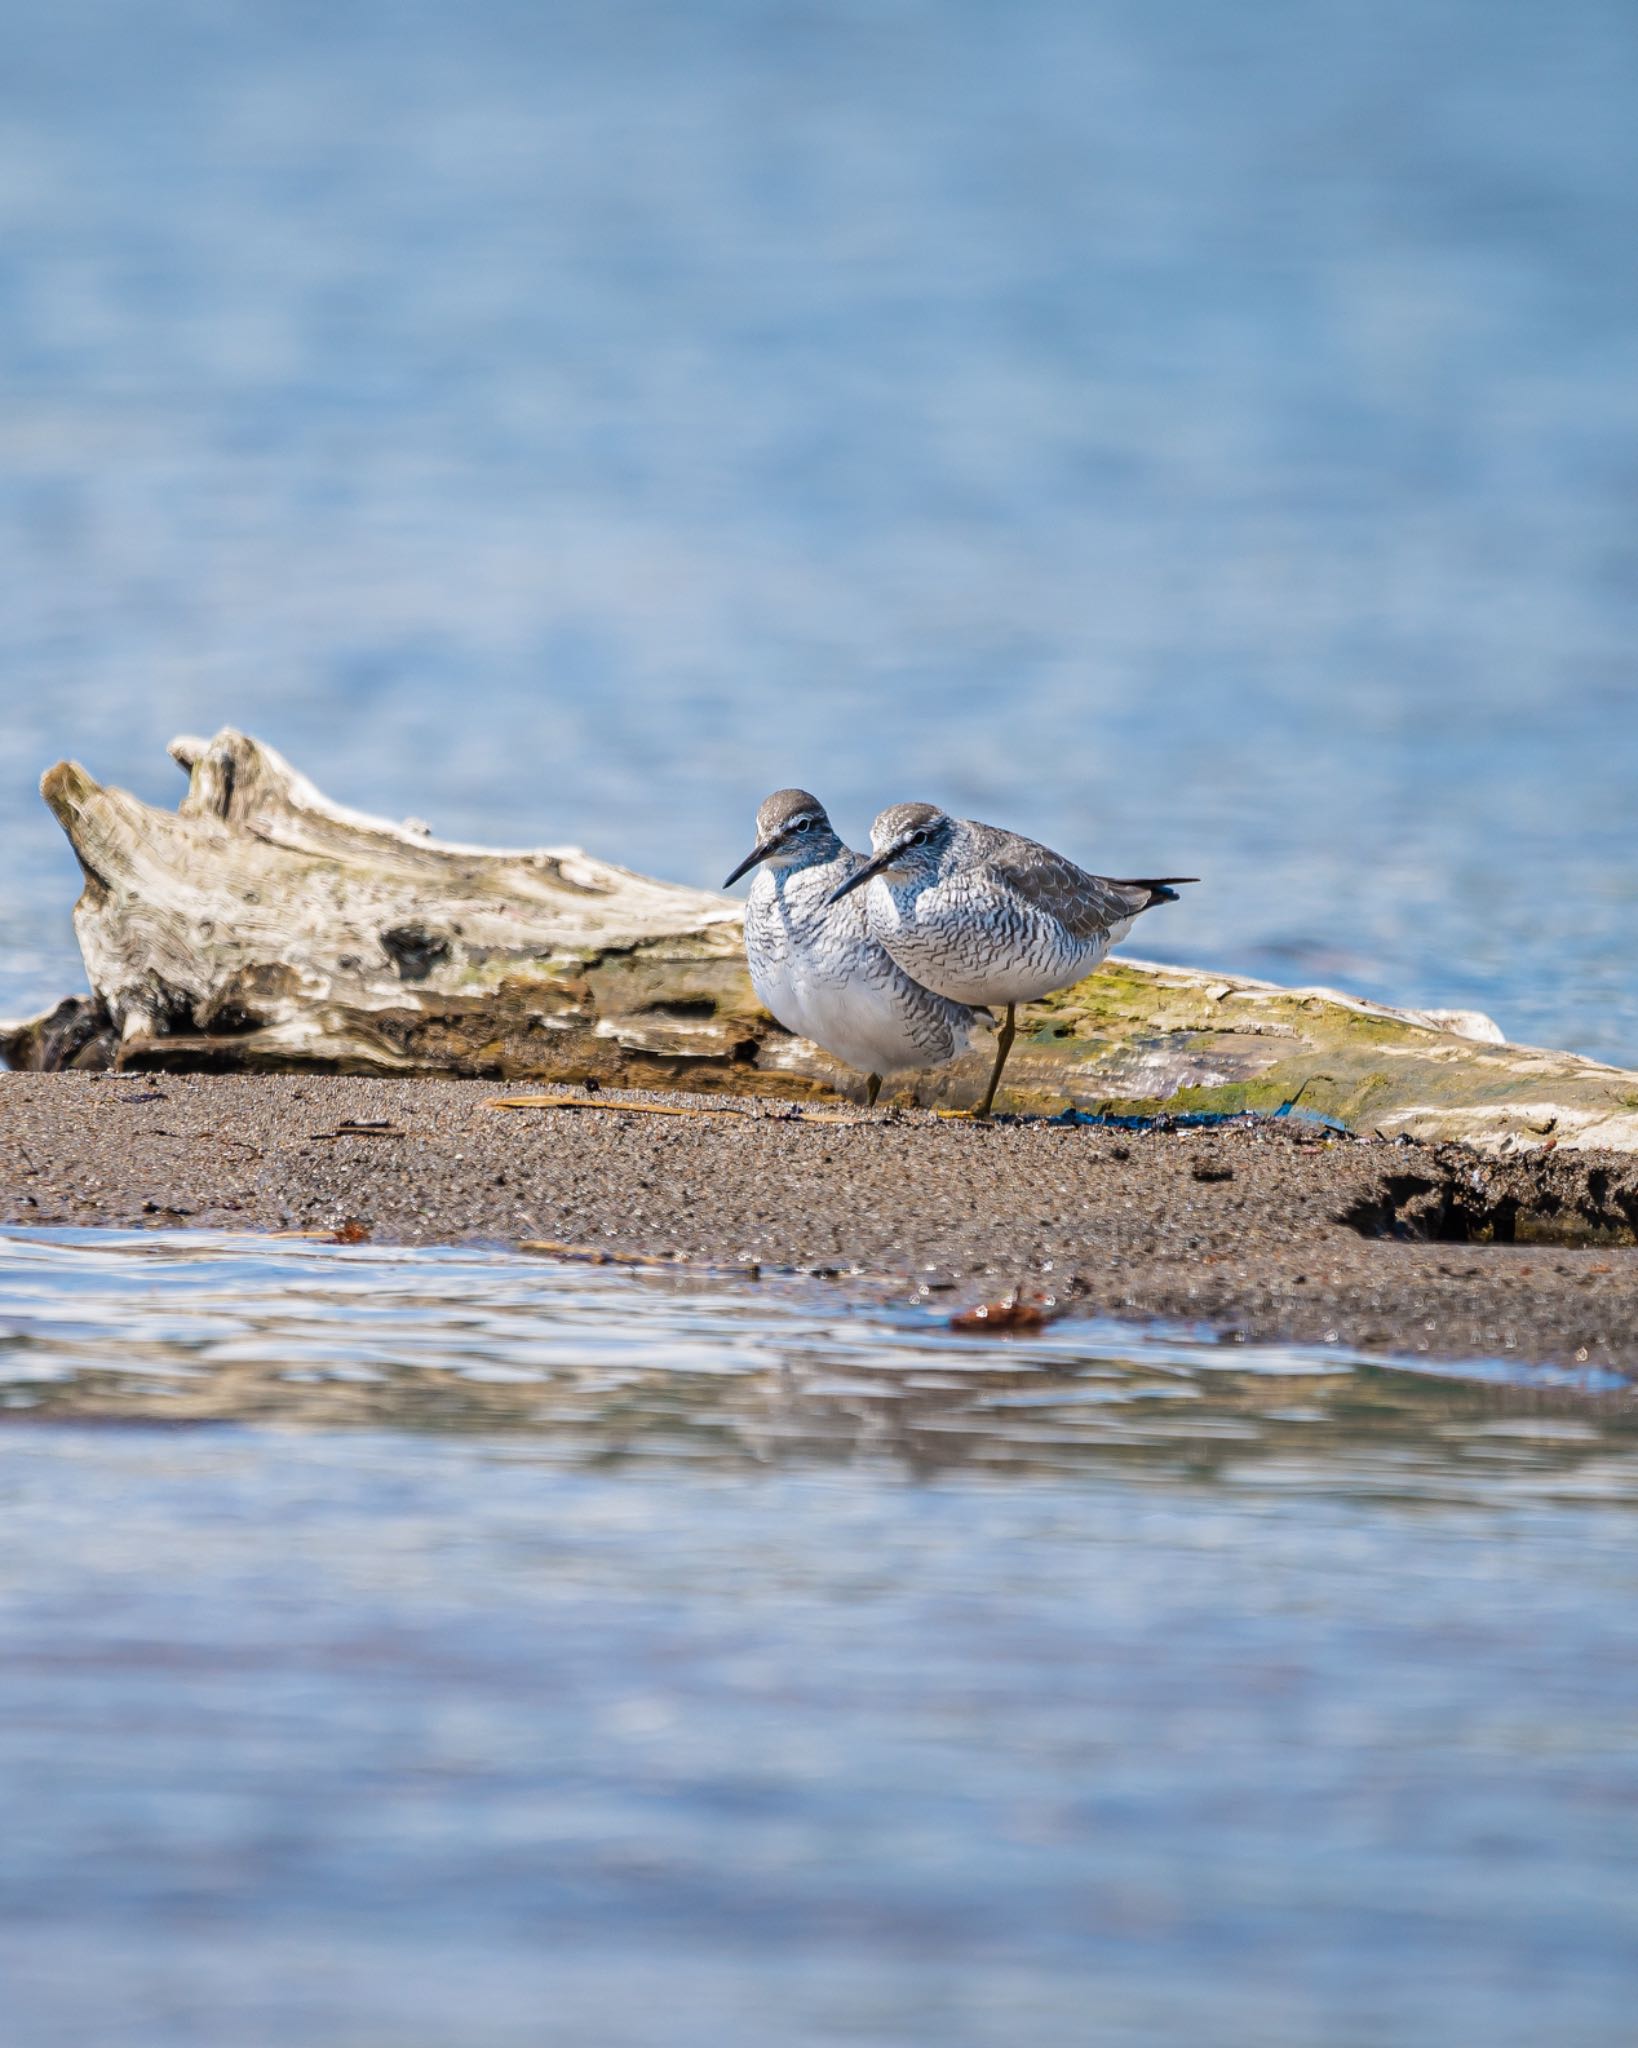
point(262, 927)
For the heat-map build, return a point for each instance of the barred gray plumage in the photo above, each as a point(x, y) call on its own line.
point(815, 966)
point(984, 916)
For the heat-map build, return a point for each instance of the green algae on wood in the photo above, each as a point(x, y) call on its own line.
point(262, 927)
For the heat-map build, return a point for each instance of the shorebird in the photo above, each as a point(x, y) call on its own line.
point(987, 917)
point(813, 962)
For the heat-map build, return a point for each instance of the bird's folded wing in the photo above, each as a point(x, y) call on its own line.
point(1083, 904)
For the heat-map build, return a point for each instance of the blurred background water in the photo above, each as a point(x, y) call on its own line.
point(1206, 437)
point(452, 1650)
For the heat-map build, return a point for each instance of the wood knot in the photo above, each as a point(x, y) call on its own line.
point(414, 950)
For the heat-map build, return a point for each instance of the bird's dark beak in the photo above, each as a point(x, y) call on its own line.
point(756, 857)
point(871, 867)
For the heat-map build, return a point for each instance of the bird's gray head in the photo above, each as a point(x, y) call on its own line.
point(792, 831)
point(907, 842)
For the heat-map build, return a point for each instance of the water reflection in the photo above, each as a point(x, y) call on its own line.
point(559, 1647)
point(592, 1366)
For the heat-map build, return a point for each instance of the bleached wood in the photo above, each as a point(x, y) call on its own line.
point(263, 926)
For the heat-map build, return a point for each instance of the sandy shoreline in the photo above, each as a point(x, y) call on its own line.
point(1269, 1231)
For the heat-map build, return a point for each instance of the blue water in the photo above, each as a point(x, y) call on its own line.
point(455, 1650)
point(1205, 437)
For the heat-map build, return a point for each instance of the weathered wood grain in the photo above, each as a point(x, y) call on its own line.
point(261, 926)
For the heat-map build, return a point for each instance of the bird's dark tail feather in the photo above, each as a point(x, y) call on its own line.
point(1159, 887)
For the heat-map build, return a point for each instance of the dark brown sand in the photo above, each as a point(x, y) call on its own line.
point(1268, 1231)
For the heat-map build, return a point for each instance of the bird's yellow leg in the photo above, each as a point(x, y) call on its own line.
point(1003, 1045)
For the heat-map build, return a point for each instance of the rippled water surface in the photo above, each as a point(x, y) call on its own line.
point(453, 1648)
point(1204, 436)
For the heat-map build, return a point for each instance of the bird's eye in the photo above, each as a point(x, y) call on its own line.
point(918, 838)
point(802, 824)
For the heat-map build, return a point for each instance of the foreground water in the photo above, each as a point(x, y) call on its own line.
point(1201, 436)
point(449, 1648)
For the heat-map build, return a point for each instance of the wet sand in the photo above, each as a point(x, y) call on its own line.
point(1272, 1230)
